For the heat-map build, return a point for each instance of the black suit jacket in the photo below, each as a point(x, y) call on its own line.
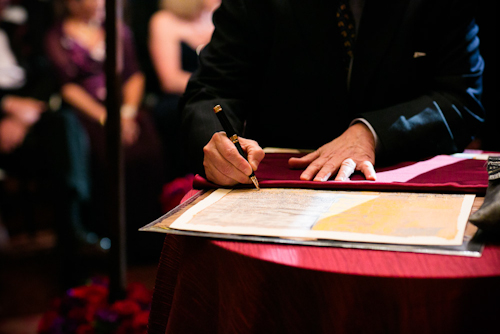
point(274, 66)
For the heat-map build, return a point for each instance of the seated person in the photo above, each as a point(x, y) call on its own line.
point(19, 113)
point(36, 153)
point(21, 106)
point(294, 74)
point(76, 47)
point(177, 32)
point(18, 110)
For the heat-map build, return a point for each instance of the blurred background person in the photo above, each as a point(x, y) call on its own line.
point(76, 47)
point(40, 175)
point(177, 33)
point(23, 100)
point(21, 96)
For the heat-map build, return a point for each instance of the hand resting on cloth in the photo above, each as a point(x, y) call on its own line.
point(488, 216)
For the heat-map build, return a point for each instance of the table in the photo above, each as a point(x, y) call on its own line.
point(216, 286)
point(213, 286)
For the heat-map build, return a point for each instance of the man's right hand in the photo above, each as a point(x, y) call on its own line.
point(225, 166)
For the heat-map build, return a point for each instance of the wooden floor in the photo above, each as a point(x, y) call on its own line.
point(30, 279)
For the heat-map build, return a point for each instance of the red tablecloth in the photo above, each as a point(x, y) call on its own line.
point(213, 286)
point(206, 286)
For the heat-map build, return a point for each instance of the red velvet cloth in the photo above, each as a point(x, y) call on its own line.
point(213, 286)
point(464, 176)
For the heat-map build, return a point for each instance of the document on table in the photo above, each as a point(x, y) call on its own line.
point(374, 217)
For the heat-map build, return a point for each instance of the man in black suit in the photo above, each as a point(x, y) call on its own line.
point(411, 89)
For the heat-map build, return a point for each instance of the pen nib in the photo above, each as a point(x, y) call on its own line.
point(255, 182)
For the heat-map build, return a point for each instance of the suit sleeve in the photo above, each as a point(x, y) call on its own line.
point(449, 114)
point(223, 77)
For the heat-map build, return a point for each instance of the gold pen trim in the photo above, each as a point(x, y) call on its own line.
point(234, 139)
point(226, 125)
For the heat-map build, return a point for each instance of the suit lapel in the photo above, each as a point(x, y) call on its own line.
point(379, 23)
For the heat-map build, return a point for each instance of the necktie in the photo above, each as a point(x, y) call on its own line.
point(345, 21)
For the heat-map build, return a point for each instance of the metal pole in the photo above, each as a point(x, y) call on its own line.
point(114, 55)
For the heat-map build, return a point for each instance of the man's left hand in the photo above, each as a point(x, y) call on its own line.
point(353, 151)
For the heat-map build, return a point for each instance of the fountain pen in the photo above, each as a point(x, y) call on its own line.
point(231, 134)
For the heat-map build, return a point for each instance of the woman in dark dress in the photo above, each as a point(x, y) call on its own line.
point(76, 47)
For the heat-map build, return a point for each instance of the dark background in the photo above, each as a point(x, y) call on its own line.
point(487, 17)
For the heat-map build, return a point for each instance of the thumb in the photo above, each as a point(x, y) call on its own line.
point(303, 162)
point(255, 154)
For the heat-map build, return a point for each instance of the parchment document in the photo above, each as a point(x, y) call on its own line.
point(376, 217)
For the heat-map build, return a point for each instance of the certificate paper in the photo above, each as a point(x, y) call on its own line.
point(375, 217)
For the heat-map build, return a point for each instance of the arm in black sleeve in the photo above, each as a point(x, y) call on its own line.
point(224, 77)
point(449, 114)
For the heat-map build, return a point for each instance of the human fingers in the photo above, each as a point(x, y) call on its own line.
point(215, 176)
point(35, 105)
point(366, 167)
point(229, 151)
point(303, 162)
point(255, 153)
point(329, 167)
point(347, 167)
point(222, 161)
point(320, 169)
